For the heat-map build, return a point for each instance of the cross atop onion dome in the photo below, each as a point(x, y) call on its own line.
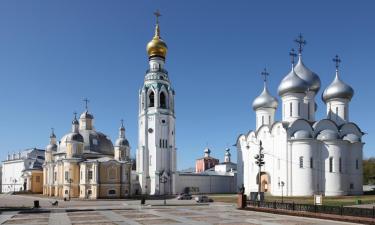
point(157, 47)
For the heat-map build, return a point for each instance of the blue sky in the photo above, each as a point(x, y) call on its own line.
point(55, 53)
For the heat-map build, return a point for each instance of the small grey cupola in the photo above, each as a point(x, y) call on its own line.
point(52, 143)
point(311, 78)
point(227, 155)
point(75, 124)
point(207, 152)
point(122, 141)
point(265, 99)
point(337, 97)
point(122, 149)
point(86, 118)
point(337, 89)
point(265, 105)
point(292, 83)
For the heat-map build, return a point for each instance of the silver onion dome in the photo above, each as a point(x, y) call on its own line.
point(121, 142)
point(337, 89)
point(265, 100)
point(311, 78)
point(292, 83)
point(86, 115)
point(51, 147)
point(74, 137)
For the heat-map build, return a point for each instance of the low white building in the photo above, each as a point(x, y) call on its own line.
point(303, 156)
point(222, 178)
point(14, 166)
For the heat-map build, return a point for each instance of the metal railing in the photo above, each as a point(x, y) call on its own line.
point(336, 210)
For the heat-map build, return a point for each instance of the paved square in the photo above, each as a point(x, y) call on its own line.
point(129, 212)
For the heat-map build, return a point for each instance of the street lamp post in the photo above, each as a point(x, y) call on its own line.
point(259, 160)
point(163, 180)
point(282, 190)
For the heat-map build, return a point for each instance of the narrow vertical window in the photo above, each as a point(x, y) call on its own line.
point(330, 164)
point(262, 120)
point(337, 113)
point(301, 162)
point(163, 101)
point(290, 109)
point(166, 143)
point(160, 143)
point(278, 163)
point(299, 109)
point(150, 162)
point(340, 166)
point(311, 162)
point(151, 99)
point(66, 175)
point(356, 164)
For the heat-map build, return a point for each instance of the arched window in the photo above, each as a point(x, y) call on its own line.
point(163, 101)
point(151, 99)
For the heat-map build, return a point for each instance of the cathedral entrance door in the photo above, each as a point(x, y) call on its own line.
point(265, 182)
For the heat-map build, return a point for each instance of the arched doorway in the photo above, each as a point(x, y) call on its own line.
point(265, 182)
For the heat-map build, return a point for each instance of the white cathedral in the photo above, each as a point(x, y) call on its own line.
point(303, 156)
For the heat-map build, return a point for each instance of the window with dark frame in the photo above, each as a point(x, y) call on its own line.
point(330, 164)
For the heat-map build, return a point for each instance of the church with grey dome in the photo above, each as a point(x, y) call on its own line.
point(85, 164)
point(303, 155)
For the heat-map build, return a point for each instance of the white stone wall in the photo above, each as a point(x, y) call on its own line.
point(12, 170)
point(207, 184)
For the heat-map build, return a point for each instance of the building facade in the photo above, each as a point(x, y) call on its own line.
point(17, 165)
point(205, 163)
point(219, 178)
point(303, 156)
point(156, 152)
point(85, 164)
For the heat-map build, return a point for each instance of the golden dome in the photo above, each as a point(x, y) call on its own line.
point(157, 47)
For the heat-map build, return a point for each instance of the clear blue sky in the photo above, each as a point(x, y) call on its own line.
point(55, 53)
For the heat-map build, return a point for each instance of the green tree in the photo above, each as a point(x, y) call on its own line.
point(369, 171)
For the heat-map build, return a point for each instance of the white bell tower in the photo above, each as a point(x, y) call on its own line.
point(156, 152)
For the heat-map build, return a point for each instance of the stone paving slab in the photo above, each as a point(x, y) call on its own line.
point(170, 215)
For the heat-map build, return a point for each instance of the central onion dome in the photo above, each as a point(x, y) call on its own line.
point(93, 141)
point(311, 78)
point(337, 89)
point(292, 83)
point(265, 100)
point(86, 115)
point(157, 47)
